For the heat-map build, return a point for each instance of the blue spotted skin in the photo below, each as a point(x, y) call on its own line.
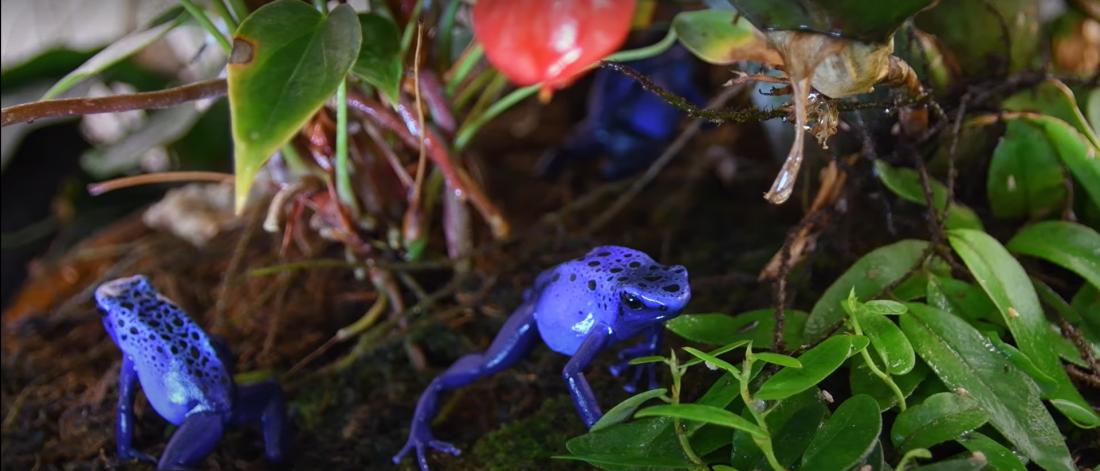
point(185, 375)
point(578, 308)
point(625, 123)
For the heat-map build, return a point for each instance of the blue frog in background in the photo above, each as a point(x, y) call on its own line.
point(625, 123)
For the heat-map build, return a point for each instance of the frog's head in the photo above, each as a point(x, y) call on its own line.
point(117, 298)
point(644, 291)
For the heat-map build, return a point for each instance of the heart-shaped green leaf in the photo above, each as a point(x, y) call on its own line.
point(906, 184)
point(722, 37)
point(868, 276)
point(1073, 246)
point(817, 363)
point(287, 60)
point(1008, 286)
point(847, 437)
point(379, 61)
point(964, 360)
point(942, 417)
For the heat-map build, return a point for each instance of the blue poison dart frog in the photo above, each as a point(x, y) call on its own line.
point(625, 123)
point(186, 376)
point(579, 308)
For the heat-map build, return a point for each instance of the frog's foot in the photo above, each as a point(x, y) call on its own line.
point(420, 441)
point(636, 372)
point(125, 456)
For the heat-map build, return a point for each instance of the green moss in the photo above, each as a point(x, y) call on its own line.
point(529, 443)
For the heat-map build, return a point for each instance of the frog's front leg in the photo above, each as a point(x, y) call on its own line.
point(124, 421)
point(583, 398)
point(648, 346)
point(263, 403)
point(197, 436)
point(511, 344)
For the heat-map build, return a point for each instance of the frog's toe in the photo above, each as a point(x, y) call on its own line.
point(617, 369)
point(445, 447)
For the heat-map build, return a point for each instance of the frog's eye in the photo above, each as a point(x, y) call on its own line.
point(632, 302)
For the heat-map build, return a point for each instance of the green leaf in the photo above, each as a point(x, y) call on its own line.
point(906, 184)
point(941, 417)
point(1073, 314)
point(714, 362)
point(116, 52)
point(1081, 158)
point(856, 19)
point(287, 60)
point(647, 359)
point(891, 345)
point(702, 413)
point(721, 37)
point(625, 409)
point(793, 422)
point(614, 461)
point(962, 299)
point(868, 276)
point(721, 329)
point(1025, 179)
point(379, 61)
point(817, 363)
point(1073, 246)
point(965, 360)
point(1023, 362)
point(970, 463)
point(863, 381)
point(1004, 280)
point(778, 359)
point(884, 307)
point(1052, 97)
point(846, 438)
point(999, 457)
point(959, 28)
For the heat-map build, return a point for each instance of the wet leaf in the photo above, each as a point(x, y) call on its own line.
point(999, 457)
point(847, 437)
point(962, 299)
point(116, 52)
point(379, 61)
point(970, 33)
point(714, 36)
point(906, 184)
point(817, 363)
point(702, 413)
point(891, 345)
point(623, 410)
point(287, 60)
point(1025, 179)
point(855, 19)
point(1053, 98)
point(965, 361)
point(714, 362)
point(721, 329)
point(868, 276)
point(1004, 280)
point(942, 417)
point(970, 463)
point(1023, 362)
point(1073, 246)
point(862, 381)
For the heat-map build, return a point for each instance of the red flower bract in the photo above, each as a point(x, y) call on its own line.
point(550, 41)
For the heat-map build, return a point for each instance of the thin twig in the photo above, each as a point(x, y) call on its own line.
point(112, 104)
point(96, 189)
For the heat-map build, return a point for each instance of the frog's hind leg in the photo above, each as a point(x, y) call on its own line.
point(196, 438)
point(512, 343)
point(263, 403)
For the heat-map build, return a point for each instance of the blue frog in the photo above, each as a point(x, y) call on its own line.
point(625, 123)
point(186, 376)
point(578, 308)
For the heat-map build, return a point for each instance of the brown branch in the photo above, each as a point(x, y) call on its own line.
point(112, 104)
point(96, 189)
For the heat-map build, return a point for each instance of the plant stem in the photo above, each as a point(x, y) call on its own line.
point(685, 443)
point(465, 65)
point(468, 129)
point(764, 442)
point(446, 34)
point(204, 21)
point(223, 11)
point(884, 376)
point(96, 189)
point(343, 169)
point(643, 52)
